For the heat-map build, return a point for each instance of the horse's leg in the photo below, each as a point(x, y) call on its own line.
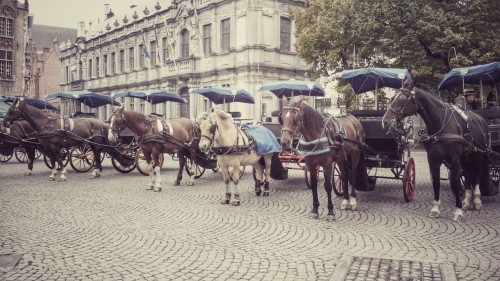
point(182, 163)
point(258, 177)
point(97, 162)
point(477, 173)
point(269, 162)
point(456, 187)
point(235, 176)
point(344, 176)
point(191, 159)
point(30, 151)
point(149, 160)
point(314, 187)
point(352, 174)
point(468, 185)
point(156, 160)
point(60, 163)
point(225, 176)
point(434, 171)
point(327, 171)
point(53, 172)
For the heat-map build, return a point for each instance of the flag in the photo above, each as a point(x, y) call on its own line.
point(158, 56)
point(145, 46)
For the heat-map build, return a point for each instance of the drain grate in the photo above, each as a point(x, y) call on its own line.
point(9, 260)
point(355, 268)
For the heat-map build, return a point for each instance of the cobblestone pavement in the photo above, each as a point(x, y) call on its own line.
point(111, 228)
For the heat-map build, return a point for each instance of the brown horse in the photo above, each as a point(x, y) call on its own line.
point(55, 132)
point(20, 133)
point(157, 136)
point(325, 140)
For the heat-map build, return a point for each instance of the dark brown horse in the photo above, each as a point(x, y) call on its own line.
point(325, 140)
point(55, 132)
point(156, 136)
point(455, 137)
point(20, 134)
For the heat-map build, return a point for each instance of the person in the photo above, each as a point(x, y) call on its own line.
point(468, 101)
point(492, 103)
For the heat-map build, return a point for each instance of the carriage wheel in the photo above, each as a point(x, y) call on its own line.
point(81, 158)
point(129, 153)
point(64, 153)
point(21, 154)
point(142, 165)
point(5, 158)
point(338, 185)
point(409, 180)
point(198, 170)
point(307, 176)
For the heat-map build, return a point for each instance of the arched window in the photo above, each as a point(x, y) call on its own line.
point(185, 43)
point(184, 107)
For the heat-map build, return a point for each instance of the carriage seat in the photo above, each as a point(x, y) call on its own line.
point(377, 138)
point(488, 113)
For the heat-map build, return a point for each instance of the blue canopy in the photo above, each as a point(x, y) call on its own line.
point(224, 95)
point(486, 74)
point(368, 79)
point(290, 88)
point(152, 96)
point(31, 101)
point(88, 98)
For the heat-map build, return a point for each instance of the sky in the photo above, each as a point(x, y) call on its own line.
point(67, 13)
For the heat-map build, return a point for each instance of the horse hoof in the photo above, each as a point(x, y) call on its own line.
point(258, 193)
point(224, 201)
point(330, 218)
point(157, 189)
point(345, 207)
point(190, 183)
point(434, 215)
point(27, 173)
point(354, 207)
point(150, 188)
point(314, 216)
point(478, 206)
point(266, 193)
point(52, 179)
point(465, 205)
point(236, 203)
point(63, 179)
point(94, 176)
point(458, 218)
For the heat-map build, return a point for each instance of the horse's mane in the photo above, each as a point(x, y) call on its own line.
point(134, 116)
point(431, 95)
point(314, 118)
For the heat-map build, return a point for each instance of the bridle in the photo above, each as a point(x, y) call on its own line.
point(410, 99)
point(119, 119)
point(212, 130)
point(297, 120)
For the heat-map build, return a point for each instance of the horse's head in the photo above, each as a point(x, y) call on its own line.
point(117, 124)
point(13, 114)
point(208, 127)
point(290, 120)
point(402, 105)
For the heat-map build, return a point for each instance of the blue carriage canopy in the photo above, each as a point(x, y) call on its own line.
point(485, 74)
point(91, 99)
point(368, 79)
point(32, 101)
point(224, 95)
point(152, 96)
point(291, 88)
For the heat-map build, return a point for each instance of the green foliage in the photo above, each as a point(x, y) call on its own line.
point(421, 35)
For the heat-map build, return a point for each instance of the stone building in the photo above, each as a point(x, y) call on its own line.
point(185, 45)
point(14, 35)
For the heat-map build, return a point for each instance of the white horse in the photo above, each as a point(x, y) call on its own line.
point(233, 148)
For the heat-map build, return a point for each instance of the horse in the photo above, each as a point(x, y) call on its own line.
point(55, 132)
point(20, 134)
point(456, 138)
point(234, 148)
point(157, 136)
point(324, 140)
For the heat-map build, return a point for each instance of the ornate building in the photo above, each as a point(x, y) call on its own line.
point(14, 58)
point(188, 44)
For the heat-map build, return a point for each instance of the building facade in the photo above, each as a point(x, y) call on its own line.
point(14, 58)
point(188, 44)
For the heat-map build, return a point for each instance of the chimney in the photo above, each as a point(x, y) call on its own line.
point(81, 29)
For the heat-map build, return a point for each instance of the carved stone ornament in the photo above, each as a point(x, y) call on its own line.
point(157, 6)
point(125, 19)
point(135, 16)
point(108, 27)
point(146, 11)
point(116, 23)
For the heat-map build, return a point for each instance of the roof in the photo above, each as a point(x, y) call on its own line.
point(43, 35)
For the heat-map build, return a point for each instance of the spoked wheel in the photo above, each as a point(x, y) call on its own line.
point(409, 180)
point(142, 165)
point(129, 153)
point(307, 175)
point(81, 158)
point(338, 185)
point(5, 158)
point(198, 170)
point(21, 154)
point(65, 158)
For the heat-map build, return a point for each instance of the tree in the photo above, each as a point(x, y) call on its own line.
point(420, 35)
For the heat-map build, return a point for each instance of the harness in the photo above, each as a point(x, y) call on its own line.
point(236, 148)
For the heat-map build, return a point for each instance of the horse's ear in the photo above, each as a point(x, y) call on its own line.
point(15, 102)
point(284, 100)
point(299, 102)
point(120, 109)
point(410, 84)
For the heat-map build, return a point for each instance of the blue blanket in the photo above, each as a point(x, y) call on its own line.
point(265, 141)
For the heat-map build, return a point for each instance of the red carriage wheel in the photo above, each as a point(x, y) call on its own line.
point(409, 180)
point(338, 185)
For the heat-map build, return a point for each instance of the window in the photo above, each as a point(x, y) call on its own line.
point(207, 39)
point(122, 60)
point(141, 56)
point(105, 65)
point(5, 64)
point(152, 54)
point(90, 68)
point(185, 43)
point(97, 67)
point(113, 63)
point(131, 60)
point(164, 44)
point(284, 34)
point(225, 35)
point(66, 74)
point(6, 26)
